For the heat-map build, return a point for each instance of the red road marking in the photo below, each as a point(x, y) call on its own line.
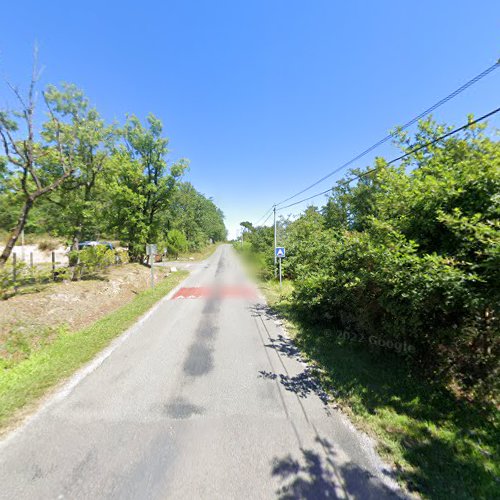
point(223, 292)
point(192, 293)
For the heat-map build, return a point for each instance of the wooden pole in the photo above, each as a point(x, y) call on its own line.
point(32, 268)
point(53, 266)
point(14, 271)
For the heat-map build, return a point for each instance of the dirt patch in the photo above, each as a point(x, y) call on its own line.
point(75, 304)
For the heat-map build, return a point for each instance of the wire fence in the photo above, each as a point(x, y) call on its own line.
point(17, 275)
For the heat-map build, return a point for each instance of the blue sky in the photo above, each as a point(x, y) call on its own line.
point(263, 96)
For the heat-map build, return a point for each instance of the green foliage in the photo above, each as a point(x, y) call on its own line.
point(176, 242)
point(122, 256)
point(75, 210)
point(143, 189)
point(196, 216)
point(442, 445)
point(117, 182)
point(409, 254)
point(257, 248)
point(91, 261)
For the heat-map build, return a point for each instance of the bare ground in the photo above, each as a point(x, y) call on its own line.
point(72, 304)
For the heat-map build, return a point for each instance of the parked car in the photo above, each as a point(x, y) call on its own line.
point(86, 244)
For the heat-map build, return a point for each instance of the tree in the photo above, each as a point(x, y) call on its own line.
point(247, 225)
point(36, 168)
point(74, 209)
point(195, 215)
point(146, 180)
point(149, 148)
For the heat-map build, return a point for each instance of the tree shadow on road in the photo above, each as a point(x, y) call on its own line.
point(442, 445)
point(304, 384)
point(316, 476)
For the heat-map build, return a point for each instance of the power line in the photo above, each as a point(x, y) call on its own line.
point(267, 212)
point(418, 148)
point(267, 218)
point(408, 124)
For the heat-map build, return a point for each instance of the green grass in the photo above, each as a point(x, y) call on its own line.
point(442, 446)
point(28, 380)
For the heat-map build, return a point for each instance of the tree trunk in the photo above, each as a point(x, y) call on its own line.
point(21, 222)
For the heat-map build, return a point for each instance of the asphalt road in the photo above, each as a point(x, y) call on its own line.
point(205, 398)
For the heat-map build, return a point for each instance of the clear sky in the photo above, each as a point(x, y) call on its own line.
point(263, 96)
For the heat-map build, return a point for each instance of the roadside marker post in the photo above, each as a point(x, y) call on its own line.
point(279, 252)
point(151, 251)
point(53, 266)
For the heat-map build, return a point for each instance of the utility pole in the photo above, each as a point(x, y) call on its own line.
point(275, 242)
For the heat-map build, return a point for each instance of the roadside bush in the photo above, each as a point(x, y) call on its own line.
point(176, 242)
point(411, 257)
point(384, 288)
point(91, 260)
point(122, 257)
point(48, 245)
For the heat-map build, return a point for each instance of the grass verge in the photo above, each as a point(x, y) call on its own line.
point(441, 446)
point(29, 380)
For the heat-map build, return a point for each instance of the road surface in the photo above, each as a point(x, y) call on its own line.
point(205, 398)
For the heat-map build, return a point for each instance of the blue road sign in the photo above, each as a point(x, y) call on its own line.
point(280, 252)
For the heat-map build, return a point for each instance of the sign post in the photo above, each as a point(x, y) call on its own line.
point(151, 251)
point(279, 252)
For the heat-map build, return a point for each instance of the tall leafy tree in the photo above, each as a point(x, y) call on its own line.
point(37, 164)
point(144, 183)
point(74, 210)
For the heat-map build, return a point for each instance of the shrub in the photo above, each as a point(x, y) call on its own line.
point(410, 257)
point(122, 257)
point(91, 260)
point(48, 245)
point(176, 242)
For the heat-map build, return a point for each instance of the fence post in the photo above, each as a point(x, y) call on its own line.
point(32, 276)
point(14, 271)
point(53, 266)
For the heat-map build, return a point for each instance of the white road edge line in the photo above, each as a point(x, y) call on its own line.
point(92, 365)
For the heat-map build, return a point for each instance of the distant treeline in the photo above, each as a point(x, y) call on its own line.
point(79, 178)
